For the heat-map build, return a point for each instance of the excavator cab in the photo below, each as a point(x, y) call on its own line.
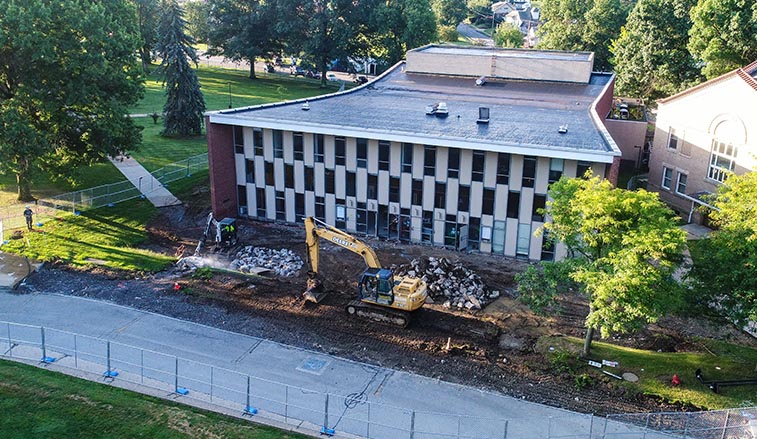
point(376, 286)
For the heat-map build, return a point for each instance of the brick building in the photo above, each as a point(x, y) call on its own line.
point(453, 147)
point(701, 135)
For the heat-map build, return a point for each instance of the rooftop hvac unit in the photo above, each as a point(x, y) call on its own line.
point(563, 129)
point(441, 110)
point(483, 115)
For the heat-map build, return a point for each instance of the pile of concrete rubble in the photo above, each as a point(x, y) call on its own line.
point(284, 262)
point(450, 283)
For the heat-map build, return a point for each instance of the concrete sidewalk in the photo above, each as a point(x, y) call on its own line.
point(392, 394)
point(148, 185)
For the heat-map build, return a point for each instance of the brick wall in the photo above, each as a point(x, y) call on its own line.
point(223, 187)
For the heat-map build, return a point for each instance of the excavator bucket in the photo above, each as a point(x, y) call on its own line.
point(315, 292)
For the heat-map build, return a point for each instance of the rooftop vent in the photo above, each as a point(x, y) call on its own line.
point(441, 110)
point(305, 106)
point(431, 109)
point(563, 129)
point(483, 115)
point(481, 81)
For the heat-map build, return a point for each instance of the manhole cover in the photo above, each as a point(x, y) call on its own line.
point(628, 376)
point(313, 365)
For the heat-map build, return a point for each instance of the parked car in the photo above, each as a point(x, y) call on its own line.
point(297, 71)
point(361, 80)
point(313, 74)
point(332, 77)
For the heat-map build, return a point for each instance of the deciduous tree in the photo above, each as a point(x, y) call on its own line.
point(450, 12)
point(148, 12)
point(198, 16)
point(508, 35)
point(651, 56)
point(724, 35)
point(626, 247)
point(68, 73)
point(185, 105)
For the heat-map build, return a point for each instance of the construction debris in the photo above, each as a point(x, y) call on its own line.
point(450, 283)
point(284, 262)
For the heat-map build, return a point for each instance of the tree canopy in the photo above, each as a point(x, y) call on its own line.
point(724, 268)
point(508, 35)
point(723, 35)
point(401, 25)
point(197, 16)
point(185, 105)
point(651, 56)
point(148, 12)
point(67, 77)
point(625, 247)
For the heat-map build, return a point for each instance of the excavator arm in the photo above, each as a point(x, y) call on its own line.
point(316, 230)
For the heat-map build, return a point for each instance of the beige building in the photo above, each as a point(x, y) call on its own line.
point(703, 134)
point(455, 147)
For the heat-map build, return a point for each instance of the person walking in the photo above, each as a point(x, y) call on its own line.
point(28, 214)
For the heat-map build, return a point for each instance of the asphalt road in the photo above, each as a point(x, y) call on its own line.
point(474, 34)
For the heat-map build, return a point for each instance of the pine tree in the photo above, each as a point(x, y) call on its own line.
point(185, 105)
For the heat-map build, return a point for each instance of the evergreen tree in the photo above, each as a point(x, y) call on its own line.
point(185, 105)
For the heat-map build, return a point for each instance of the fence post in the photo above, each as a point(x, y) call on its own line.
point(108, 372)
point(10, 342)
point(141, 366)
point(459, 420)
point(725, 425)
point(368, 425)
point(504, 433)
point(76, 353)
point(686, 425)
point(412, 425)
point(549, 426)
point(286, 404)
point(247, 408)
point(325, 429)
point(211, 384)
point(591, 425)
point(604, 430)
point(42, 337)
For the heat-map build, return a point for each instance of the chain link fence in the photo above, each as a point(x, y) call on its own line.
point(12, 217)
point(348, 416)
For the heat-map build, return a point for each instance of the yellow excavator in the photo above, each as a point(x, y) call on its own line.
point(381, 296)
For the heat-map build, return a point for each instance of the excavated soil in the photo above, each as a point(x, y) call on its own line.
point(491, 349)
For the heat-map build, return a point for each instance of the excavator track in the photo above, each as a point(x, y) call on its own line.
point(377, 313)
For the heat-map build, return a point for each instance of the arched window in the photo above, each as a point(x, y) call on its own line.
point(727, 133)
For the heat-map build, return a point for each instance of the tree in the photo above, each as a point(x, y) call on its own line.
point(198, 15)
point(723, 35)
point(480, 11)
point(401, 25)
point(586, 26)
point(243, 30)
point(148, 12)
point(67, 77)
point(508, 35)
point(185, 105)
point(724, 269)
point(651, 57)
point(450, 12)
point(626, 247)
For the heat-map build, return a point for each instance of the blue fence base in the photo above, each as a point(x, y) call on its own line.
point(182, 391)
point(47, 360)
point(328, 431)
point(110, 374)
point(250, 411)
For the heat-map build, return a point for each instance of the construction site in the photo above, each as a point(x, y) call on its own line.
point(471, 330)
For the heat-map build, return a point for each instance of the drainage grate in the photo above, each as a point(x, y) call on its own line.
point(313, 365)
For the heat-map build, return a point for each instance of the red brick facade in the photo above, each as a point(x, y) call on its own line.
point(223, 186)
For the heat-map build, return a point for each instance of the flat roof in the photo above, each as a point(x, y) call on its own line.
point(524, 116)
point(503, 52)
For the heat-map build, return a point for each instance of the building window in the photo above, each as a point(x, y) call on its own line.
point(320, 208)
point(350, 187)
point(281, 204)
point(372, 187)
point(681, 183)
point(339, 150)
point(394, 189)
point(249, 167)
point(407, 157)
point(440, 196)
point(278, 144)
point(673, 139)
point(330, 184)
point(299, 207)
point(503, 168)
point(269, 179)
point(556, 167)
point(478, 166)
point(453, 163)
point(529, 171)
point(524, 239)
point(539, 202)
point(318, 148)
point(427, 227)
point(383, 147)
point(242, 196)
point(463, 198)
point(429, 160)
point(309, 179)
point(238, 140)
point(298, 146)
point(487, 205)
point(547, 247)
point(513, 204)
point(341, 215)
point(667, 177)
point(289, 176)
point(362, 153)
point(260, 201)
point(257, 141)
point(417, 193)
point(722, 160)
point(582, 168)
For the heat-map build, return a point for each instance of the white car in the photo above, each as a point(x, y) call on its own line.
point(332, 77)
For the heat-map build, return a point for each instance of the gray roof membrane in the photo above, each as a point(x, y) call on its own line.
point(522, 113)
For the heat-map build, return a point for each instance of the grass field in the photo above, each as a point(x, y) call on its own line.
point(40, 403)
point(718, 360)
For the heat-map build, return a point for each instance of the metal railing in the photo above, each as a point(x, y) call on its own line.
point(12, 217)
point(350, 416)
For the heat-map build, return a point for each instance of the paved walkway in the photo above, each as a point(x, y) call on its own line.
point(392, 394)
point(150, 187)
point(13, 270)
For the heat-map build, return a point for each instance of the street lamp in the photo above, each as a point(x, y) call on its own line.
point(229, 84)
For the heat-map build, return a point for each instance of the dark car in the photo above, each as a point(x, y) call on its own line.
point(361, 80)
point(297, 71)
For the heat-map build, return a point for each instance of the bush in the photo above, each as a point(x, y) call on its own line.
point(562, 362)
point(203, 273)
point(448, 33)
point(583, 381)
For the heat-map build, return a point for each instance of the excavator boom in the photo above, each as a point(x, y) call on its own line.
point(316, 230)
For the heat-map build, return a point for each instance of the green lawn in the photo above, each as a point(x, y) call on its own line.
point(718, 360)
point(38, 403)
point(158, 151)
